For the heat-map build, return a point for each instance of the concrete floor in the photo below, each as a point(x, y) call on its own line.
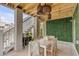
point(64, 49)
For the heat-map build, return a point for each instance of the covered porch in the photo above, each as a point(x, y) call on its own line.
point(58, 21)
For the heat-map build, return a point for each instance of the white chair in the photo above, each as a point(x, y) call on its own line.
point(42, 43)
point(53, 44)
point(33, 48)
point(45, 38)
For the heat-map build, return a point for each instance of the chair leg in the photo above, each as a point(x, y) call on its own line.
point(44, 51)
point(55, 51)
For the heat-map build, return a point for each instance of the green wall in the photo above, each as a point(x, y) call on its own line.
point(60, 28)
point(76, 17)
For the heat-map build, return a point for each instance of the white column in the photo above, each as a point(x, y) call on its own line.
point(44, 24)
point(1, 43)
point(18, 20)
point(73, 31)
point(35, 28)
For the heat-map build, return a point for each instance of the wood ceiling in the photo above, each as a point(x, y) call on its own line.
point(59, 10)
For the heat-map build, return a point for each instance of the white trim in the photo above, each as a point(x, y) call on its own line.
point(75, 50)
point(35, 27)
point(1, 43)
point(73, 31)
point(45, 28)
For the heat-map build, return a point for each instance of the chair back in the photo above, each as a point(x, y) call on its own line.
point(53, 40)
point(34, 48)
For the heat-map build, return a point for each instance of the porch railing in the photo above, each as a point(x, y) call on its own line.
point(9, 34)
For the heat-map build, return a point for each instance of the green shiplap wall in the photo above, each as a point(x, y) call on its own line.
point(76, 17)
point(61, 28)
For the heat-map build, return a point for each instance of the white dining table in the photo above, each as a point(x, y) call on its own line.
point(42, 44)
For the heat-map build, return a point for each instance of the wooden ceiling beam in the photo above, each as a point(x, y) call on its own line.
point(63, 10)
point(62, 6)
point(58, 9)
point(16, 5)
point(33, 9)
point(6, 3)
point(27, 6)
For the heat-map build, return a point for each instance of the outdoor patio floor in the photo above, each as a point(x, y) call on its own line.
point(64, 49)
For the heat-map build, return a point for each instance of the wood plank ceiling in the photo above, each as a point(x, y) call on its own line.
point(59, 10)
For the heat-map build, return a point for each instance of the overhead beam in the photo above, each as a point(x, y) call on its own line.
point(27, 6)
point(6, 3)
point(33, 9)
point(63, 10)
point(16, 5)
